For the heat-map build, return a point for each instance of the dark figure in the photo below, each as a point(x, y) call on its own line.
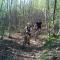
point(37, 29)
point(38, 25)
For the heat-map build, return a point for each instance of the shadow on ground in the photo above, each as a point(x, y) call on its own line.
point(12, 44)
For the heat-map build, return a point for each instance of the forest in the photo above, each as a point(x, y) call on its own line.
point(29, 29)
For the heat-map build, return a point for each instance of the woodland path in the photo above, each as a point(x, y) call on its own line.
point(16, 48)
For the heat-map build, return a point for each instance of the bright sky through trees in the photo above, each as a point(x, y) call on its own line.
point(26, 1)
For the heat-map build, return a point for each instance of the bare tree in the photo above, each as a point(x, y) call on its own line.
point(54, 12)
point(47, 16)
point(2, 26)
point(55, 6)
point(10, 4)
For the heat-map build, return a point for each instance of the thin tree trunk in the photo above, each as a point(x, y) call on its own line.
point(23, 14)
point(16, 13)
point(2, 22)
point(55, 6)
point(20, 17)
point(47, 15)
point(10, 17)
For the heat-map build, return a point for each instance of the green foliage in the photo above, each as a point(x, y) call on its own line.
point(51, 51)
point(52, 42)
point(49, 55)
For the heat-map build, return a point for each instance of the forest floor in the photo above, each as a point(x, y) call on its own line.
point(16, 47)
point(13, 47)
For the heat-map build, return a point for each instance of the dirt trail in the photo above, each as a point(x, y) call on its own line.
point(31, 52)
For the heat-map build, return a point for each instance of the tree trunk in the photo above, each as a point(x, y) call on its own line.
point(9, 16)
point(2, 22)
point(47, 16)
point(55, 6)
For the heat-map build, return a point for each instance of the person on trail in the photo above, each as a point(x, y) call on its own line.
point(37, 26)
point(27, 33)
point(28, 29)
